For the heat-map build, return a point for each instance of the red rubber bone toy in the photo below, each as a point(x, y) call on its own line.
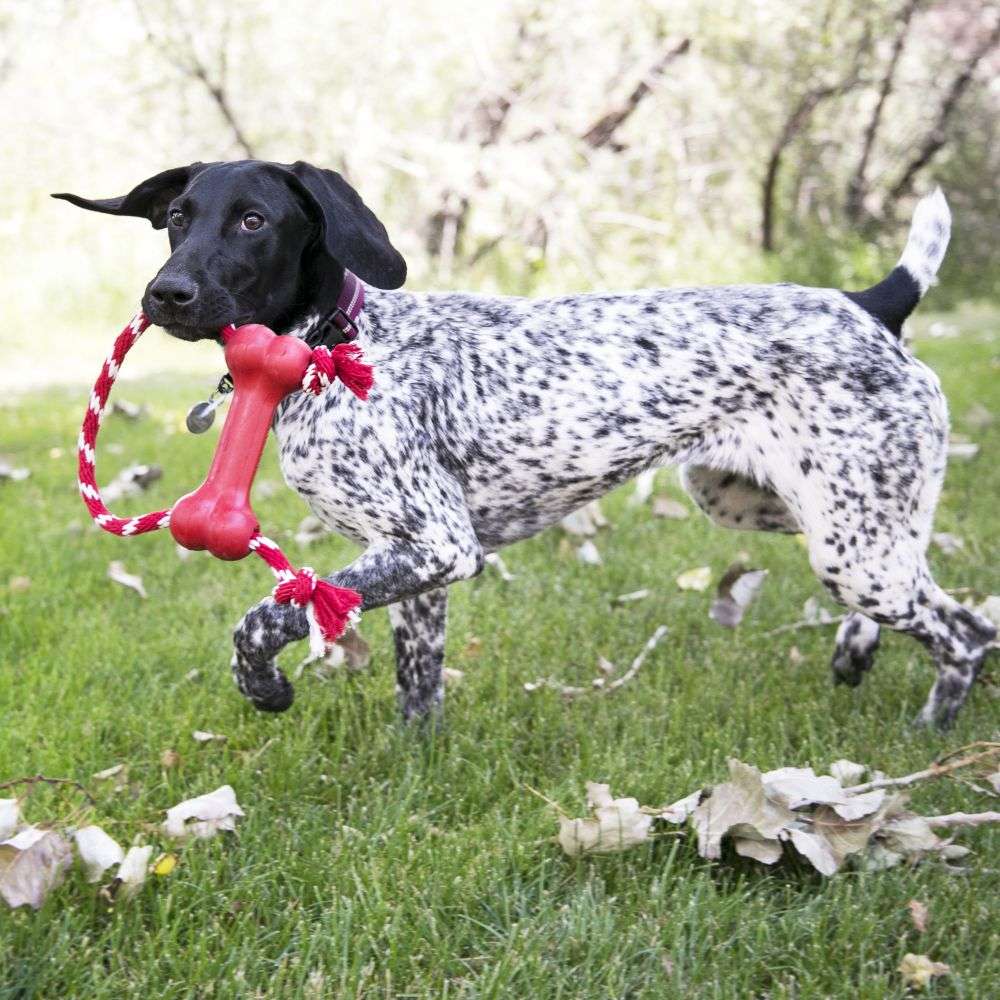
point(217, 516)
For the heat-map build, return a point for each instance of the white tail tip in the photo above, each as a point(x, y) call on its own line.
point(928, 239)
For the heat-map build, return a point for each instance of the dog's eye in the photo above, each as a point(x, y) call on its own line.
point(177, 217)
point(252, 222)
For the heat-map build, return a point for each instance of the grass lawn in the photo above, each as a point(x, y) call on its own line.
point(375, 862)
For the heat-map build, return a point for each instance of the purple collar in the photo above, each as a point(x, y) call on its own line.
point(340, 325)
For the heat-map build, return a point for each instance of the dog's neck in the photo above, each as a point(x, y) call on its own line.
point(327, 307)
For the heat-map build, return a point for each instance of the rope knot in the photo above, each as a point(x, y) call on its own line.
point(299, 590)
point(343, 362)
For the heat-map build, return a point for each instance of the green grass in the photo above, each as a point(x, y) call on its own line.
point(377, 862)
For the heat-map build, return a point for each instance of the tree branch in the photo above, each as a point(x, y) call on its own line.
point(602, 132)
point(937, 137)
point(857, 188)
point(194, 69)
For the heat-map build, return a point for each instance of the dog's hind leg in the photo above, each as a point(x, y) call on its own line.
point(854, 654)
point(887, 581)
point(418, 628)
point(732, 500)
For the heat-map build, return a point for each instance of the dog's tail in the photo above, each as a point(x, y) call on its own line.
point(895, 297)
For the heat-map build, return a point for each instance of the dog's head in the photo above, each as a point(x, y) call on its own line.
point(250, 240)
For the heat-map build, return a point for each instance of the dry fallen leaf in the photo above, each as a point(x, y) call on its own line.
point(169, 758)
point(494, 561)
point(97, 851)
point(10, 817)
point(813, 613)
point(164, 864)
point(128, 410)
point(311, 529)
point(131, 481)
point(585, 521)
point(918, 914)
point(767, 852)
point(962, 449)
point(18, 584)
point(264, 489)
point(630, 598)
point(201, 736)
point(8, 472)
point(131, 872)
point(695, 579)
point(795, 656)
point(678, 812)
point(644, 484)
point(118, 574)
point(205, 815)
point(616, 825)
point(108, 772)
point(989, 608)
point(847, 772)
point(919, 970)
point(947, 543)
point(357, 654)
point(795, 787)
point(670, 508)
point(451, 676)
point(588, 553)
point(739, 806)
point(737, 590)
point(32, 863)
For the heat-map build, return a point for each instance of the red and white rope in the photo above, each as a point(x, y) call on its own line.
point(329, 609)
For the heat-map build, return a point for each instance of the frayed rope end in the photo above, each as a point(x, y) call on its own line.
point(344, 363)
point(329, 609)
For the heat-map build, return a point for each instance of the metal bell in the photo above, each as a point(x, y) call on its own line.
point(201, 416)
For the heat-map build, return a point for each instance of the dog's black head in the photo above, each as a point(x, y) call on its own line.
point(253, 241)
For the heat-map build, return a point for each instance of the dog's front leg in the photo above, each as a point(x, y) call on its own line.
point(388, 572)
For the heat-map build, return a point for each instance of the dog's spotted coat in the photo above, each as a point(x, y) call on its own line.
point(788, 408)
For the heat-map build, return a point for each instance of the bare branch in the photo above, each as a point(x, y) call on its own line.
point(36, 779)
point(938, 135)
point(194, 69)
point(598, 686)
point(936, 770)
point(858, 185)
point(951, 820)
point(602, 132)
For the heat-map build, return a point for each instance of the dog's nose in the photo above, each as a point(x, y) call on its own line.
point(173, 290)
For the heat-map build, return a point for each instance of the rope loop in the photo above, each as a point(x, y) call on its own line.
point(329, 609)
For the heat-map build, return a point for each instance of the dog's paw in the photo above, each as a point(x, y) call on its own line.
point(267, 688)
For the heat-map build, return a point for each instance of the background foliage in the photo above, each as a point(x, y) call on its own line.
point(529, 147)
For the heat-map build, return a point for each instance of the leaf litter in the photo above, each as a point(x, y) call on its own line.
point(131, 481)
point(791, 811)
point(737, 590)
point(35, 858)
point(118, 574)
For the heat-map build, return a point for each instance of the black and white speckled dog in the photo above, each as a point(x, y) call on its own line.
point(789, 409)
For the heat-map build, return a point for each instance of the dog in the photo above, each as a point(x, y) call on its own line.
point(788, 409)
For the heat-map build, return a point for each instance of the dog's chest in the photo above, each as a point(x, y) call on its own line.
point(324, 457)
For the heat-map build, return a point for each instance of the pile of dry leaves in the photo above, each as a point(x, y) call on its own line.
point(828, 819)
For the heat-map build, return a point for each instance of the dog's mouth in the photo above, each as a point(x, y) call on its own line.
point(191, 334)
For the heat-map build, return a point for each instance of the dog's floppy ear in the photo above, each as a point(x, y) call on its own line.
point(351, 233)
point(147, 200)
